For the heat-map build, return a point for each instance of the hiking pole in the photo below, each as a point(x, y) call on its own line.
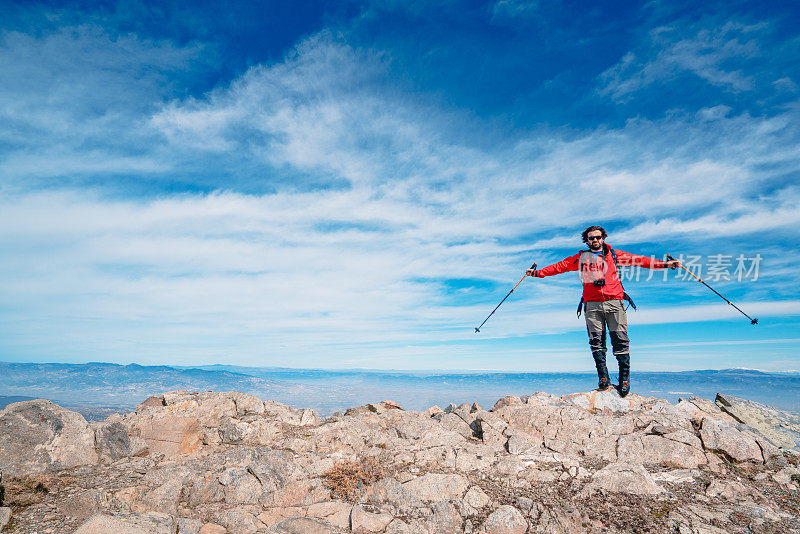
point(752, 321)
point(502, 301)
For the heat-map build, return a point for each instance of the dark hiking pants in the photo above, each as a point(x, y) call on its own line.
point(611, 314)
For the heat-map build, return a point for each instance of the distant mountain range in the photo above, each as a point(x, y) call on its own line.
point(107, 384)
point(104, 387)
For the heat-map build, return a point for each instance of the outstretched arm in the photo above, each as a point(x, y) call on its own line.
point(635, 260)
point(567, 264)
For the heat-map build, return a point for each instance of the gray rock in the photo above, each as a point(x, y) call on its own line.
point(336, 513)
point(168, 434)
point(624, 477)
point(611, 400)
point(781, 428)
point(699, 408)
point(301, 525)
point(506, 520)
point(148, 523)
point(434, 487)
point(520, 442)
point(604, 400)
point(234, 432)
point(454, 423)
point(446, 519)
point(388, 490)
point(188, 526)
point(150, 402)
point(508, 400)
point(5, 516)
point(731, 490)
point(239, 521)
point(651, 449)
point(112, 440)
point(38, 436)
point(561, 520)
point(245, 404)
point(165, 497)
point(476, 497)
point(677, 476)
point(724, 439)
point(80, 505)
point(362, 521)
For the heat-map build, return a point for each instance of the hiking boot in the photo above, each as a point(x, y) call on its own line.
point(604, 383)
point(624, 382)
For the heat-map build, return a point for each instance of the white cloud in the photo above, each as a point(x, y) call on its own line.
point(76, 101)
point(708, 53)
point(514, 9)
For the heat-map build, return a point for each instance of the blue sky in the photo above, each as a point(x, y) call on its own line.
point(357, 184)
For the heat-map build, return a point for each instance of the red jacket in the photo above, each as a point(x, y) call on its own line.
point(594, 268)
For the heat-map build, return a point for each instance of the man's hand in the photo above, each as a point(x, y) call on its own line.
point(673, 264)
point(531, 272)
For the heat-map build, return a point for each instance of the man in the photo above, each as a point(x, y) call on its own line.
point(603, 297)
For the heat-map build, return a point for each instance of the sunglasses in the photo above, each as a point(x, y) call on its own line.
point(593, 237)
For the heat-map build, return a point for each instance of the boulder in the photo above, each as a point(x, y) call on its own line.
point(336, 513)
point(188, 526)
point(389, 490)
point(434, 410)
point(733, 491)
point(652, 449)
point(272, 516)
point(112, 440)
point(780, 428)
point(505, 520)
point(80, 505)
point(726, 440)
point(433, 487)
point(454, 423)
point(623, 477)
point(245, 404)
point(446, 519)
point(170, 435)
point(508, 400)
point(476, 497)
point(164, 498)
point(604, 400)
point(698, 409)
point(38, 436)
point(362, 521)
point(549, 519)
point(240, 521)
point(150, 402)
point(286, 414)
point(147, 523)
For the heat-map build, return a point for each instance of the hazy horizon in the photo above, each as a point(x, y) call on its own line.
point(101, 385)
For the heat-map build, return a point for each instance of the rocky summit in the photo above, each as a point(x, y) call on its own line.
point(216, 462)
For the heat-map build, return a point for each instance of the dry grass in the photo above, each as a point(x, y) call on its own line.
point(347, 480)
point(26, 491)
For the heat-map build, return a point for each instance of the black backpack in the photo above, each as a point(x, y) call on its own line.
point(625, 296)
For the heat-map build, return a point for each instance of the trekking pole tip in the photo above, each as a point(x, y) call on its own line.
point(477, 330)
point(754, 321)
